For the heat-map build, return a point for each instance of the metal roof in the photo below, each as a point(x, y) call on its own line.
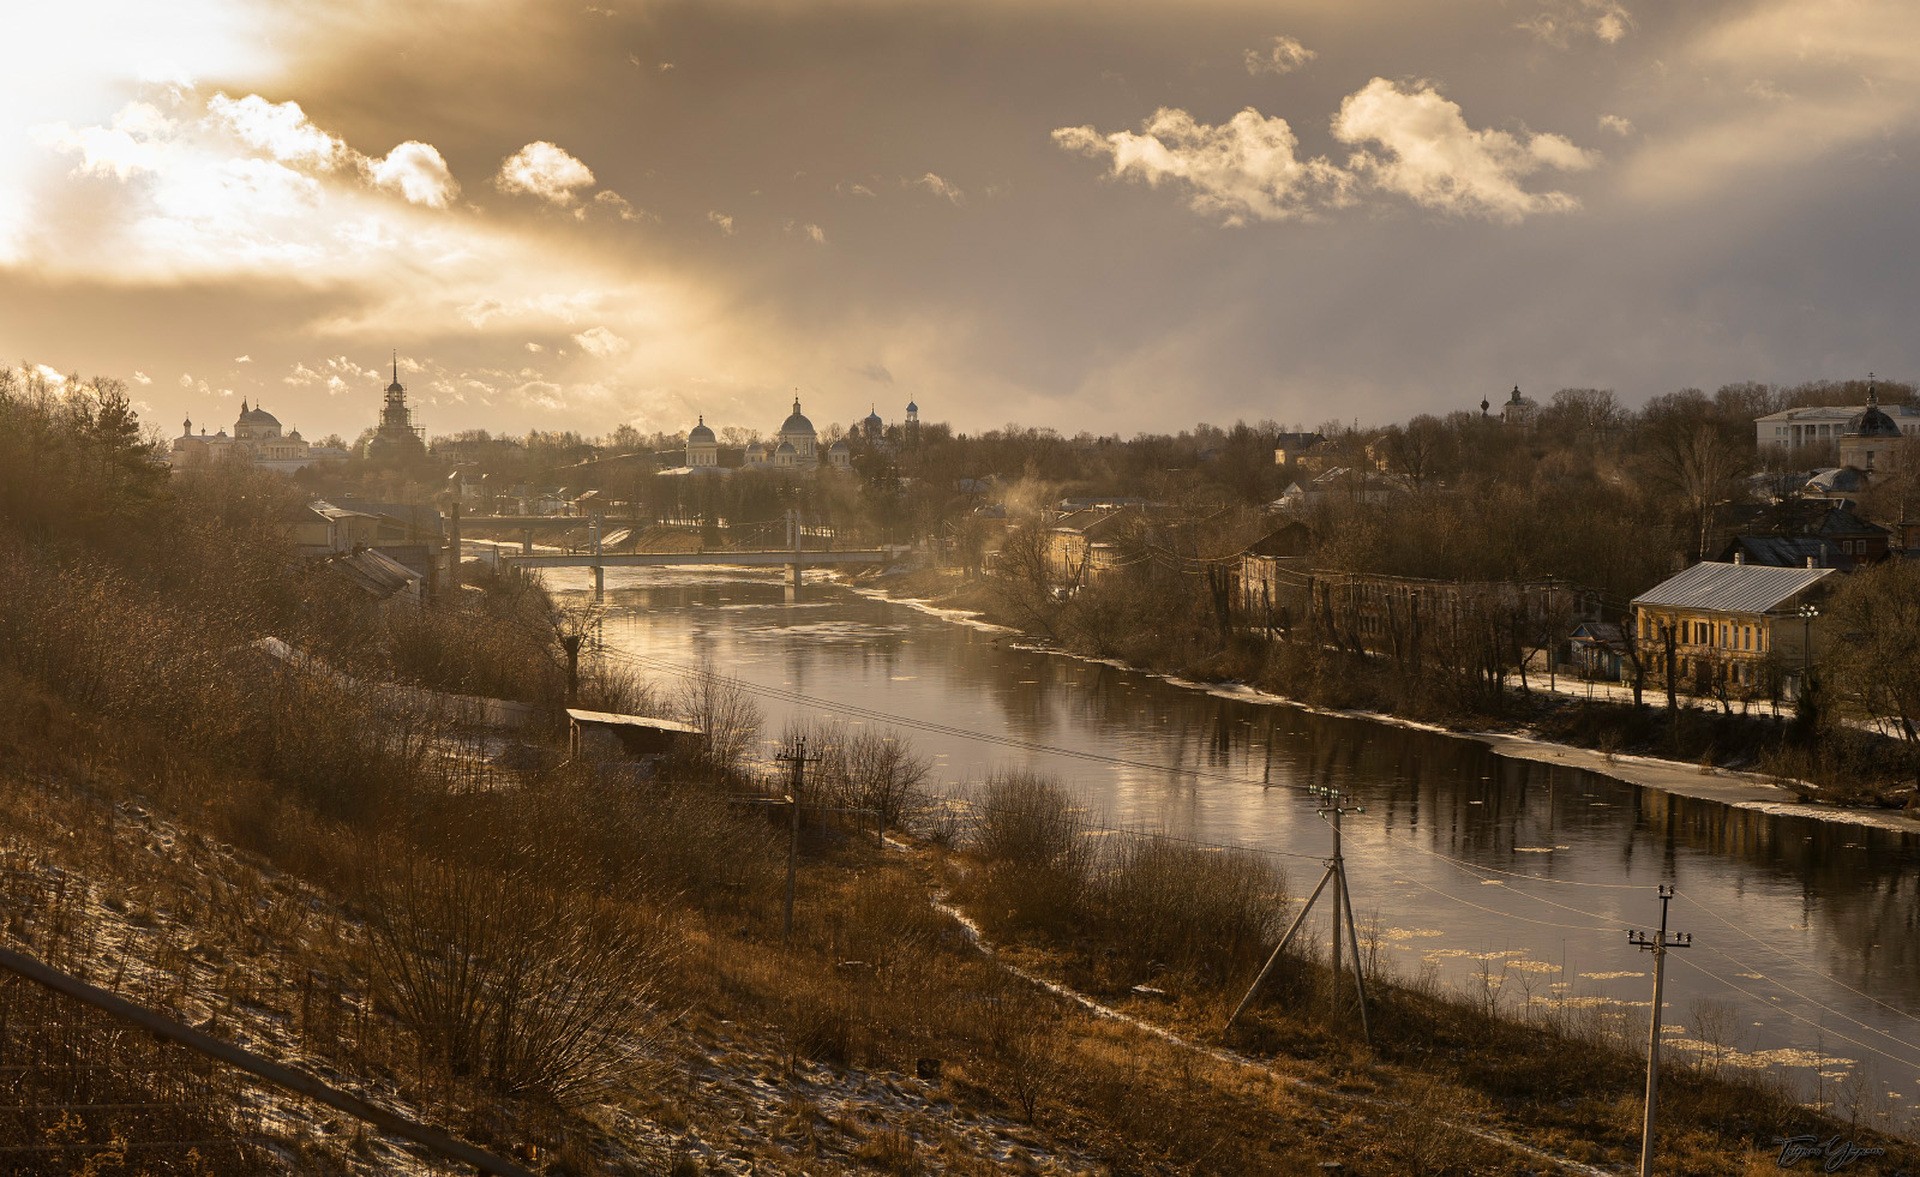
point(614, 719)
point(1732, 588)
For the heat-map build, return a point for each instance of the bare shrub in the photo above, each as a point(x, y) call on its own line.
point(1039, 863)
point(864, 769)
point(519, 987)
point(1206, 911)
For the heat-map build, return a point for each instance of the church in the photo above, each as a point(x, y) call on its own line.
point(398, 440)
point(796, 446)
point(256, 438)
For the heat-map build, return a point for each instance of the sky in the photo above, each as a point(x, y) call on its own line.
point(1106, 217)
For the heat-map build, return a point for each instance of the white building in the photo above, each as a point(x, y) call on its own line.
point(1818, 425)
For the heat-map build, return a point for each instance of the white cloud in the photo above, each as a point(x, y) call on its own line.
point(243, 359)
point(279, 129)
point(849, 188)
point(722, 221)
point(50, 374)
point(536, 347)
point(135, 141)
point(1562, 22)
point(543, 170)
point(617, 204)
point(1283, 56)
point(1244, 169)
point(1618, 124)
point(1426, 152)
point(142, 378)
point(541, 394)
point(814, 233)
point(939, 187)
point(598, 341)
point(418, 172)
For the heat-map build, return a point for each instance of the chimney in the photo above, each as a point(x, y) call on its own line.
point(1739, 556)
point(1811, 563)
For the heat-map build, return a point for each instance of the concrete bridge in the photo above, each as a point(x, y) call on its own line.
point(795, 557)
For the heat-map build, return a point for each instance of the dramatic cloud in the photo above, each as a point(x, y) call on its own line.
point(1414, 143)
point(417, 172)
point(1428, 153)
point(1244, 169)
point(1749, 220)
point(280, 130)
point(1282, 57)
point(544, 170)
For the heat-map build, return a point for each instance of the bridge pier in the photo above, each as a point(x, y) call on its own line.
point(526, 542)
point(599, 569)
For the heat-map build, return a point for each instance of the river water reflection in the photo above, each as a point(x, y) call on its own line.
point(1490, 871)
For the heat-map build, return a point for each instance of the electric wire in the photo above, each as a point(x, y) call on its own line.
point(1471, 869)
point(934, 727)
point(1812, 1001)
point(1776, 1006)
point(1712, 914)
point(1380, 863)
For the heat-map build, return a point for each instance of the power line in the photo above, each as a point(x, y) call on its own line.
point(1800, 1017)
point(1815, 1002)
point(1505, 915)
point(932, 726)
point(1782, 952)
point(1473, 870)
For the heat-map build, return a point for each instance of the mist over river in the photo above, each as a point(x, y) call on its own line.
point(1491, 871)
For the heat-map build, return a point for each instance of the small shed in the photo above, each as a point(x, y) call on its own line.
point(634, 735)
point(1599, 649)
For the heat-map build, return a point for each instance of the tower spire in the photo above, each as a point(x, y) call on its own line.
point(396, 365)
point(1873, 392)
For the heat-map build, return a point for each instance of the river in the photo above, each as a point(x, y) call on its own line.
point(1506, 878)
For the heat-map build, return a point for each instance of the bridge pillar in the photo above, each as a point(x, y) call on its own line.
point(526, 542)
point(599, 569)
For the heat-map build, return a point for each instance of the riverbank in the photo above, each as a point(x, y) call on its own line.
point(961, 600)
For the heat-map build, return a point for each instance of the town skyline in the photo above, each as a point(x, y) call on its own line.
point(640, 213)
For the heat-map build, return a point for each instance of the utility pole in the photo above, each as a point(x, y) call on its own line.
point(1658, 945)
point(1336, 873)
point(796, 782)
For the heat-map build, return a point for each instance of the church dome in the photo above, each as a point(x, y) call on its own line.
point(786, 449)
point(1872, 423)
point(873, 418)
point(912, 408)
point(838, 446)
point(797, 423)
point(700, 433)
point(256, 416)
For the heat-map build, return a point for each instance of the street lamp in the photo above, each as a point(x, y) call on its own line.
point(1807, 614)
